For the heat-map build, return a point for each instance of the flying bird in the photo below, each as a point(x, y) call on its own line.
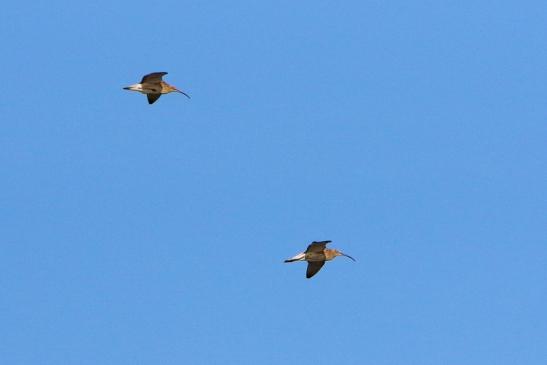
point(316, 254)
point(153, 86)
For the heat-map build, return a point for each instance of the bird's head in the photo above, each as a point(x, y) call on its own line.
point(340, 253)
point(171, 89)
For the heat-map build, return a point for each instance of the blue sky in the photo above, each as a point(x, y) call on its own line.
point(411, 133)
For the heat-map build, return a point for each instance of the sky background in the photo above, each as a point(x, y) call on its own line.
point(411, 133)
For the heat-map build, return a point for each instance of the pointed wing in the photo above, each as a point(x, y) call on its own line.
point(152, 98)
point(317, 246)
point(313, 268)
point(153, 77)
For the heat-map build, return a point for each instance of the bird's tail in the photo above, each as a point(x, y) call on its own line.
point(300, 257)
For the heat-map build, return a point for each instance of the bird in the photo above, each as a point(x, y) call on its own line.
point(316, 254)
point(153, 86)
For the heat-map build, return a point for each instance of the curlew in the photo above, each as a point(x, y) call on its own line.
point(153, 86)
point(316, 254)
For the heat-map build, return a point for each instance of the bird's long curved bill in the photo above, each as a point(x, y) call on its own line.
point(183, 93)
point(348, 256)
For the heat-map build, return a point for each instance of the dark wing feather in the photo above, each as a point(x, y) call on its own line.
point(313, 268)
point(317, 246)
point(153, 77)
point(152, 98)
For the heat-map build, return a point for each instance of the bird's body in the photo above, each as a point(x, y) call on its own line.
point(153, 86)
point(316, 254)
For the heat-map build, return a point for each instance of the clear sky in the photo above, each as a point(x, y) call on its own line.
point(411, 133)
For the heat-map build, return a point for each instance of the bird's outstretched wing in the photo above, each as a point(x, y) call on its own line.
point(152, 98)
point(313, 268)
point(153, 77)
point(316, 246)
